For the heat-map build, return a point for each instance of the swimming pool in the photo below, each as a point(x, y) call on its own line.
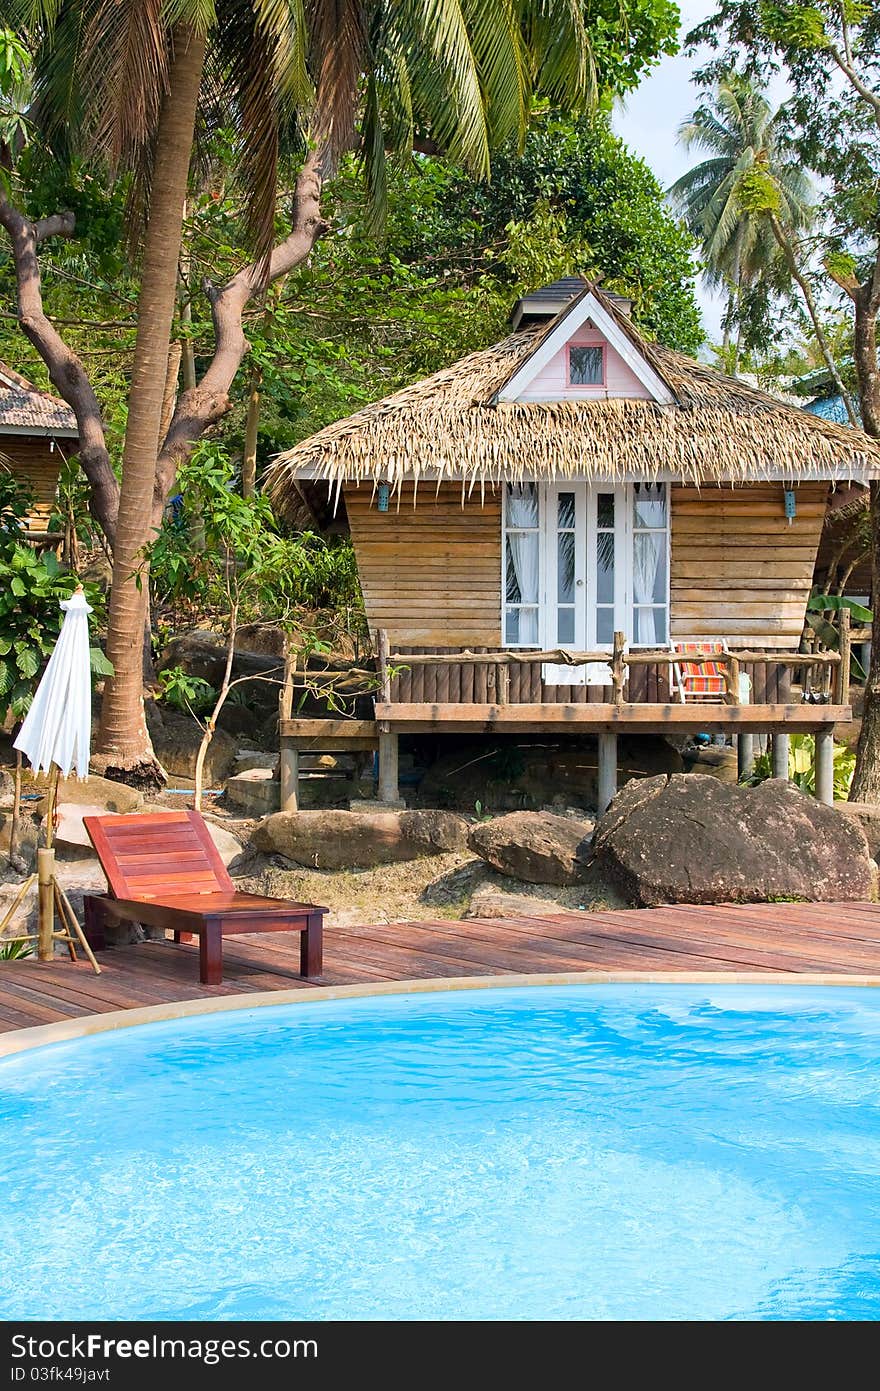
point(559, 1152)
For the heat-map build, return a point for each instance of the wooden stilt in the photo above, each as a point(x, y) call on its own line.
point(780, 756)
point(16, 810)
point(11, 910)
point(388, 774)
point(46, 904)
point(65, 934)
point(745, 754)
point(74, 929)
point(607, 769)
point(825, 766)
point(289, 768)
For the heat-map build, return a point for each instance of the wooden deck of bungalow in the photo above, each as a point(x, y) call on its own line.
point(495, 691)
point(808, 939)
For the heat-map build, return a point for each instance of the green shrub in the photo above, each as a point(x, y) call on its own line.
point(184, 692)
point(32, 585)
point(802, 766)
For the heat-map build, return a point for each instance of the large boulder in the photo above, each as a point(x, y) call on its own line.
point(693, 839)
point(866, 815)
point(537, 847)
point(358, 840)
point(93, 794)
point(176, 741)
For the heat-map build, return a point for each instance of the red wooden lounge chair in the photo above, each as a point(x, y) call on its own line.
point(165, 871)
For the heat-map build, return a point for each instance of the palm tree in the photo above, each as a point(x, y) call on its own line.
point(740, 130)
point(128, 76)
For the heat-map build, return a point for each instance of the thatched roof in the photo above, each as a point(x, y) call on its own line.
point(449, 426)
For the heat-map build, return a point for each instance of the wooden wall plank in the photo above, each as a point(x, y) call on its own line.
point(431, 574)
point(738, 569)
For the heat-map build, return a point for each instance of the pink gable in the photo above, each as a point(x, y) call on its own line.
point(551, 383)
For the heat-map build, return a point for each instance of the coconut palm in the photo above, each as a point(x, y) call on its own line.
point(740, 130)
point(127, 77)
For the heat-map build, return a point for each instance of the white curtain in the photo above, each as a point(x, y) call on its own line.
point(522, 511)
point(647, 556)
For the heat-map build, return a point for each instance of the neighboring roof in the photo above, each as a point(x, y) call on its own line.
point(446, 426)
point(25, 409)
point(828, 408)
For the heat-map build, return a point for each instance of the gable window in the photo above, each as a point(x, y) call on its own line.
point(586, 366)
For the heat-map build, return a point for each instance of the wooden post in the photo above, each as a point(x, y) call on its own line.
point(607, 769)
point(289, 772)
point(779, 756)
point(745, 754)
point(841, 682)
point(388, 777)
point(618, 674)
point(46, 904)
point(731, 679)
point(825, 766)
point(502, 685)
point(288, 759)
point(382, 654)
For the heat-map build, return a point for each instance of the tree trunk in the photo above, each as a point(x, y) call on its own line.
point(123, 746)
point(866, 779)
point(251, 428)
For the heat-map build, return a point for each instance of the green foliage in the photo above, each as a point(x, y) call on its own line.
point(31, 588)
point(802, 766)
point(219, 547)
point(15, 951)
point(185, 692)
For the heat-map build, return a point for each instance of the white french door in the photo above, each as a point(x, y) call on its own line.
point(582, 561)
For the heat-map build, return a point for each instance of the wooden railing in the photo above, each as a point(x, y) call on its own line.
point(497, 667)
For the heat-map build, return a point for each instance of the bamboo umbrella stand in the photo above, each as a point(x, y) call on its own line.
point(51, 898)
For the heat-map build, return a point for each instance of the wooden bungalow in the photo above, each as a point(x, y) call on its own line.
point(37, 433)
point(541, 526)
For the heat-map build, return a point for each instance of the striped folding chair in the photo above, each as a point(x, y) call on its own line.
point(698, 676)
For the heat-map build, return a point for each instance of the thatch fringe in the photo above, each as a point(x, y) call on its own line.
point(446, 427)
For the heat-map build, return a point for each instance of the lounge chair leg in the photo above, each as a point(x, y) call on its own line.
point(94, 923)
point(311, 946)
point(211, 953)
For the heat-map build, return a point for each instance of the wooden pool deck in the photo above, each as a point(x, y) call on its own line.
point(817, 938)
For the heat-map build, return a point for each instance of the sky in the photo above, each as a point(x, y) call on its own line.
point(650, 119)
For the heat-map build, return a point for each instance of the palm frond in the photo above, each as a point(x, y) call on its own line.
point(338, 49)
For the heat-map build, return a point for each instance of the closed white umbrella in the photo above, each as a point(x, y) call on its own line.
point(55, 738)
point(57, 728)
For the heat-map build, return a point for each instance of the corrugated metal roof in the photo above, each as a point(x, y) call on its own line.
point(25, 409)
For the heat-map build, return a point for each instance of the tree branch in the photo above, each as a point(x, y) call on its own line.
point(65, 369)
point(205, 404)
point(860, 86)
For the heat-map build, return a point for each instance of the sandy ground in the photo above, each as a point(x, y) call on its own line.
point(439, 886)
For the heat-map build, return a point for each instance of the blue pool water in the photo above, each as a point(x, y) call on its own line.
point(583, 1152)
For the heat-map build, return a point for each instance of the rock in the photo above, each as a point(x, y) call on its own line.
point(229, 846)
point(176, 740)
point(77, 879)
point(536, 847)
point(457, 886)
point(509, 778)
point(256, 791)
point(489, 902)
point(693, 839)
point(438, 831)
point(200, 652)
point(7, 786)
point(715, 760)
point(255, 758)
point(351, 840)
point(93, 794)
point(866, 815)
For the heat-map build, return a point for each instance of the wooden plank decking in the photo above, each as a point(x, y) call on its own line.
point(839, 938)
